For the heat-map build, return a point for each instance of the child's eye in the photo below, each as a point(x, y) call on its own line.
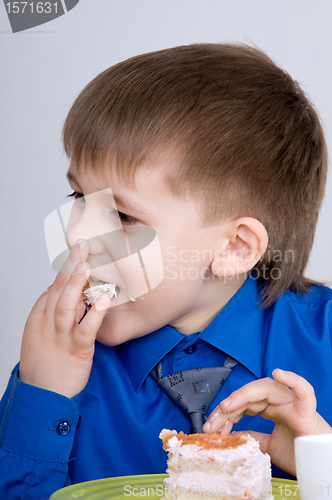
point(77, 196)
point(126, 220)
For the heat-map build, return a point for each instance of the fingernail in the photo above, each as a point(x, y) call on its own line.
point(207, 426)
point(215, 414)
point(104, 298)
point(102, 301)
point(226, 402)
point(81, 244)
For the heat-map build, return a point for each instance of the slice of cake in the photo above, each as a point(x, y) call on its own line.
point(214, 466)
point(94, 288)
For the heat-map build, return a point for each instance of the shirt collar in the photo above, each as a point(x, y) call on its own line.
point(238, 330)
point(142, 354)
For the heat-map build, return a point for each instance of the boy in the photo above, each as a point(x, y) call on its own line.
point(219, 151)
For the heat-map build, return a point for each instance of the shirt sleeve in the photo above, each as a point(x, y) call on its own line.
point(36, 437)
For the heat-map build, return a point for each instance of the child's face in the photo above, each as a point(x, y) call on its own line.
point(189, 296)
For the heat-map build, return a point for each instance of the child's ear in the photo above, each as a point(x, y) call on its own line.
point(242, 245)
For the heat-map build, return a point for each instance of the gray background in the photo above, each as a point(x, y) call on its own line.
point(44, 68)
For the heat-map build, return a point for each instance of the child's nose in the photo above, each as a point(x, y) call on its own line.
point(95, 235)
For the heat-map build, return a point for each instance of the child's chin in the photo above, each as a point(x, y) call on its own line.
point(108, 339)
point(117, 329)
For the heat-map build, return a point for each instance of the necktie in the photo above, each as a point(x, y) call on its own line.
point(193, 390)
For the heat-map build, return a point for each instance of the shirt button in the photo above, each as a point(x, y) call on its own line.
point(63, 428)
point(192, 348)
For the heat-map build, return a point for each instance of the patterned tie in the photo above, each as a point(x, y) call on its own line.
point(193, 390)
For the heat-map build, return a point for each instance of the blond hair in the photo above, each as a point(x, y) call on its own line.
point(245, 141)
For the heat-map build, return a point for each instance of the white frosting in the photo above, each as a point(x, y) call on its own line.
point(93, 292)
point(244, 471)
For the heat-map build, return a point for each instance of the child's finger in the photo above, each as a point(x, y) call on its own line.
point(78, 254)
point(226, 429)
point(303, 391)
point(265, 389)
point(65, 308)
point(252, 398)
point(85, 333)
point(80, 311)
point(218, 418)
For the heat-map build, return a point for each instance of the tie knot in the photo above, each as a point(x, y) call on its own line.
point(193, 390)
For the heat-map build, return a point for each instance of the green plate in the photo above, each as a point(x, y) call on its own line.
point(133, 487)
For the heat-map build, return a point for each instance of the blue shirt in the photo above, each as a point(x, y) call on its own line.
point(115, 422)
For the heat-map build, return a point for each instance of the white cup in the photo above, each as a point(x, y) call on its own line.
point(313, 457)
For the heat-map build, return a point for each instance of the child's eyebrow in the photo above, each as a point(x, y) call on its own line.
point(126, 205)
point(71, 177)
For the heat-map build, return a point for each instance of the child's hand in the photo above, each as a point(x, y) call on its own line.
point(294, 412)
point(57, 352)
